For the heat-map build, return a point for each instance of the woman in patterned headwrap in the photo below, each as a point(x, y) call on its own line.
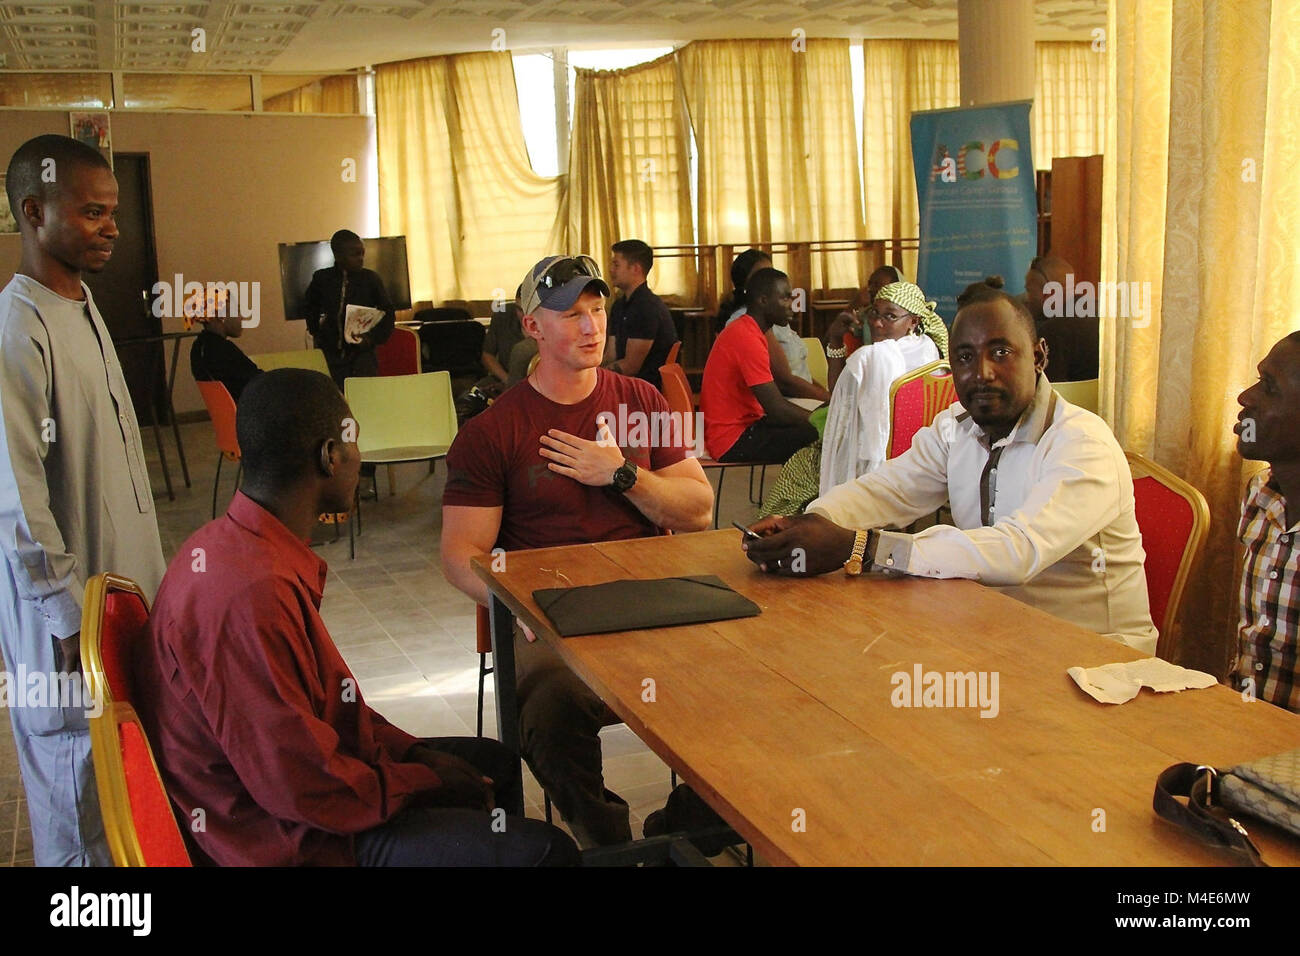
point(906, 333)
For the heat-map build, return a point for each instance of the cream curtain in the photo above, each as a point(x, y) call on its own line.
point(455, 179)
point(1201, 203)
point(900, 77)
point(775, 135)
point(1069, 115)
point(329, 94)
point(629, 169)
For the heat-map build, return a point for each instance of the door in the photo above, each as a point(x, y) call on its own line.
point(122, 290)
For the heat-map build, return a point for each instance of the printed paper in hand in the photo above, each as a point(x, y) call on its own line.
point(360, 320)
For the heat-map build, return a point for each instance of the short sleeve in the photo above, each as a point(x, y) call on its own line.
point(753, 361)
point(476, 474)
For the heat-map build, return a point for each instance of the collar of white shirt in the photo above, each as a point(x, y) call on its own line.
point(1033, 423)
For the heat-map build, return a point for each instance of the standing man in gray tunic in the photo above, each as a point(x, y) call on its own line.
point(75, 497)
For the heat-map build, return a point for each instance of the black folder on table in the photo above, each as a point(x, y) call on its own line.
point(635, 604)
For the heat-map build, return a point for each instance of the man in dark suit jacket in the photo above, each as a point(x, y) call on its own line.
point(329, 294)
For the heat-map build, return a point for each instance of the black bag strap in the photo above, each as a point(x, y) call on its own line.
point(1200, 784)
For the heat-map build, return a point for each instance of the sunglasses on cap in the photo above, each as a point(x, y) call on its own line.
point(563, 271)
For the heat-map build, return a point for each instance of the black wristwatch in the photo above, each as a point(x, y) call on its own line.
point(624, 476)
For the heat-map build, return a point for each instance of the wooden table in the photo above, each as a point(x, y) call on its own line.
point(787, 717)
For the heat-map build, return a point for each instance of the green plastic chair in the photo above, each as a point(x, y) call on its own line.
point(1083, 394)
point(817, 364)
point(313, 359)
point(400, 418)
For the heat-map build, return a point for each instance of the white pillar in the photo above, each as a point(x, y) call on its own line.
point(560, 57)
point(995, 39)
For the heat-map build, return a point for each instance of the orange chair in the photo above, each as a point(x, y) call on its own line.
point(678, 393)
point(1174, 520)
point(914, 401)
point(672, 353)
point(400, 355)
point(483, 643)
point(138, 819)
point(221, 409)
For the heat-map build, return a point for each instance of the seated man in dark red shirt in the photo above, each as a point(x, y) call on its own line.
point(266, 747)
point(746, 418)
point(538, 470)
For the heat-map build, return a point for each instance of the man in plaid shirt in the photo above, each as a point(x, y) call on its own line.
point(1268, 429)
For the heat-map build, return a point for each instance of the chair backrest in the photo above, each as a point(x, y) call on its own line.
point(673, 353)
point(221, 409)
point(914, 401)
point(313, 359)
point(400, 411)
point(1174, 520)
point(400, 355)
point(452, 314)
point(455, 346)
point(817, 365)
point(138, 820)
point(1083, 394)
point(677, 391)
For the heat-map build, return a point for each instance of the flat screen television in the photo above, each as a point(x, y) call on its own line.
point(299, 260)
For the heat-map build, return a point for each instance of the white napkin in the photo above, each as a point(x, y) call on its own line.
point(1118, 683)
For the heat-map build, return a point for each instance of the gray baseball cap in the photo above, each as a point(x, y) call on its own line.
point(557, 282)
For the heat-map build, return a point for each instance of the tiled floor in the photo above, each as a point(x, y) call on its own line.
point(407, 634)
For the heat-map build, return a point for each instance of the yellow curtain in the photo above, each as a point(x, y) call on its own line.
point(629, 169)
point(900, 77)
point(1069, 115)
point(455, 179)
point(329, 94)
point(1200, 202)
point(775, 135)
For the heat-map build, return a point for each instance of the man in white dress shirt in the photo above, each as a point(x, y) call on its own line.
point(1040, 491)
point(75, 497)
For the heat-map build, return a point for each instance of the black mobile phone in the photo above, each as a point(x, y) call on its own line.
point(750, 535)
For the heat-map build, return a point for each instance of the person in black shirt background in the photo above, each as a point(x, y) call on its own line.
point(640, 331)
point(330, 292)
point(214, 358)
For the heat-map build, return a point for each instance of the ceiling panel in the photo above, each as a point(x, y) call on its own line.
point(332, 36)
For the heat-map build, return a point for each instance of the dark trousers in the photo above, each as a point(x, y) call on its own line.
point(764, 441)
point(354, 363)
point(449, 836)
point(559, 731)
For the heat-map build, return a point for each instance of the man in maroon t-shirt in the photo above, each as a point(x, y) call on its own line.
point(746, 418)
point(540, 468)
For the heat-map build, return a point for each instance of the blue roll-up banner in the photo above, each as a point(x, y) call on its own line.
point(977, 199)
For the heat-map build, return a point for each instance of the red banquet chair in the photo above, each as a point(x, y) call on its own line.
point(914, 401)
point(138, 819)
point(1174, 520)
point(400, 355)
